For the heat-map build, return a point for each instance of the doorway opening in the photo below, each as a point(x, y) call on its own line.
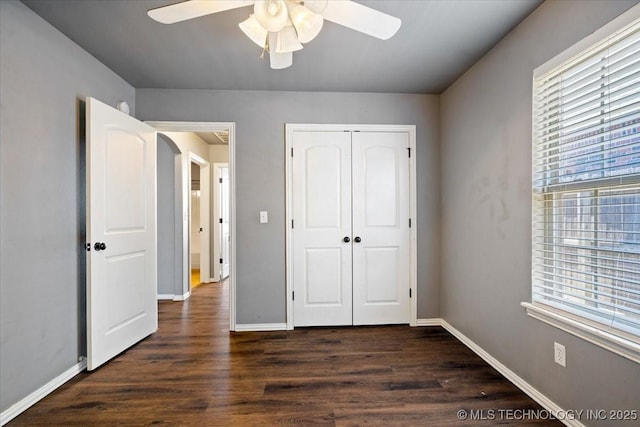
point(198, 205)
point(205, 207)
point(195, 227)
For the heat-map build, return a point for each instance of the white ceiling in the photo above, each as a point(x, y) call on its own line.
point(438, 41)
point(214, 138)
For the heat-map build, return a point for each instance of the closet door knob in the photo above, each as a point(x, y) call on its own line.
point(346, 239)
point(357, 239)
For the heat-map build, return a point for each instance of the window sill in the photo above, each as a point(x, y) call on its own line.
point(619, 345)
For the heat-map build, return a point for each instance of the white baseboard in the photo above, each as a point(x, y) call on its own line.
point(165, 296)
point(182, 297)
point(527, 388)
point(255, 327)
point(436, 321)
point(24, 404)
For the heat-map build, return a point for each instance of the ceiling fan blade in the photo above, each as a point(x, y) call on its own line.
point(361, 18)
point(189, 9)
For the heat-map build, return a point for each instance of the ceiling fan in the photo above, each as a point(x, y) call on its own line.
point(280, 27)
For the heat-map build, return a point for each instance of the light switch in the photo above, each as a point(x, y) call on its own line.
point(264, 217)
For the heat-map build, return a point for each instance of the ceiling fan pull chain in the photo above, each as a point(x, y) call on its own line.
point(265, 48)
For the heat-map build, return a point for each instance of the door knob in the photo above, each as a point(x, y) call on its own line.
point(357, 239)
point(346, 239)
point(99, 246)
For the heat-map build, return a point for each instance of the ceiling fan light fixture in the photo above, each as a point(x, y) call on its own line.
point(278, 61)
point(307, 23)
point(287, 40)
point(271, 14)
point(317, 6)
point(252, 29)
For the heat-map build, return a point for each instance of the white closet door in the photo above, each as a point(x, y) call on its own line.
point(381, 236)
point(322, 214)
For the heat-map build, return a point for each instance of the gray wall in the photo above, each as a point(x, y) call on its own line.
point(43, 79)
point(486, 214)
point(260, 173)
point(169, 236)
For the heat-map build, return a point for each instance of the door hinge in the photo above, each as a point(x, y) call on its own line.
point(220, 220)
point(291, 151)
point(293, 295)
point(220, 180)
point(409, 222)
point(220, 260)
point(87, 246)
point(409, 150)
point(409, 292)
point(291, 223)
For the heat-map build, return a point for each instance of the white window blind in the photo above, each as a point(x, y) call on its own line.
point(586, 185)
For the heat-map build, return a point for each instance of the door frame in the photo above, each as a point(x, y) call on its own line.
point(217, 213)
point(230, 127)
point(290, 128)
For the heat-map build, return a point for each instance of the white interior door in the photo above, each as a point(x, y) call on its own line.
point(121, 231)
point(381, 263)
point(321, 168)
point(225, 236)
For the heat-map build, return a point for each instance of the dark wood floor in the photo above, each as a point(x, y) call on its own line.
point(194, 372)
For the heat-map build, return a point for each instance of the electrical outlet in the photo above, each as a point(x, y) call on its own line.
point(264, 217)
point(559, 354)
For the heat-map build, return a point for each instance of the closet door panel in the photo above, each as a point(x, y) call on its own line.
point(322, 274)
point(380, 174)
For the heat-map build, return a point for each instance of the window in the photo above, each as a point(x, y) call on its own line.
point(586, 191)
